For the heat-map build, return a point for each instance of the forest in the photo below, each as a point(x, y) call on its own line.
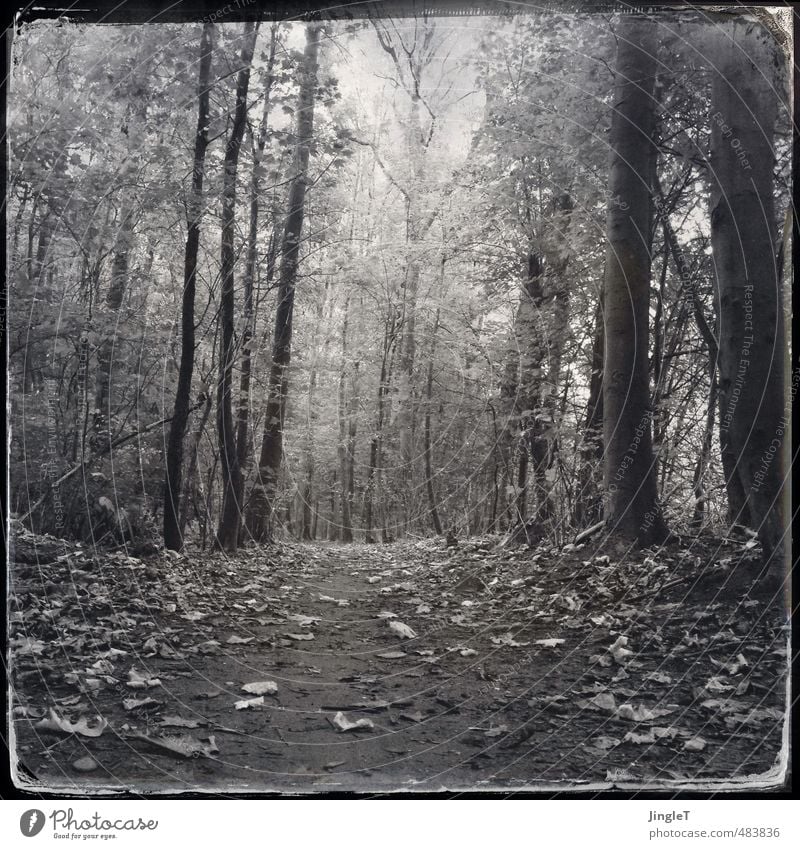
point(474, 313)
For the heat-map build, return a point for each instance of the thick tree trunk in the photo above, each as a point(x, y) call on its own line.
point(750, 303)
point(262, 499)
point(230, 515)
point(173, 538)
point(632, 509)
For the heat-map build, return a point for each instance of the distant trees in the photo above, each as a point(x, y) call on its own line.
point(484, 264)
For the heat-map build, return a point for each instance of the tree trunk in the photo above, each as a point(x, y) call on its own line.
point(194, 453)
point(433, 509)
point(173, 537)
point(632, 509)
point(531, 343)
point(750, 302)
point(544, 445)
point(248, 332)
point(347, 408)
point(230, 515)
point(376, 443)
point(101, 422)
point(589, 506)
point(262, 498)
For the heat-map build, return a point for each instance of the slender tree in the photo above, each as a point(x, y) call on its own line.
point(262, 498)
point(259, 143)
point(230, 517)
point(173, 538)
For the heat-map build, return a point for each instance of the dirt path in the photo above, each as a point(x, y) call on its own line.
point(466, 669)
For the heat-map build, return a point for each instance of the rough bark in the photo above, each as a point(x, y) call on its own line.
point(632, 510)
point(262, 499)
point(749, 304)
point(173, 537)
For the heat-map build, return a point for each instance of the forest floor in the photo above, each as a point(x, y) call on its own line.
point(405, 667)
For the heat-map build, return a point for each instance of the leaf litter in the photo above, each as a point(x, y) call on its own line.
point(540, 622)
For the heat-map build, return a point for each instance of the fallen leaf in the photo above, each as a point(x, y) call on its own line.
point(300, 636)
point(57, 723)
point(508, 640)
point(417, 716)
point(550, 643)
point(179, 722)
point(605, 742)
point(633, 737)
point(392, 655)
point(665, 733)
point(302, 620)
point(260, 688)
point(233, 640)
point(604, 701)
point(387, 614)
point(373, 579)
point(139, 704)
point(658, 677)
point(184, 746)
point(86, 764)
point(618, 650)
point(401, 629)
point(137, 681)
point(468, 652)
point(342, 602)
point(244, 704)
point(695, 744)
point(342, 723)
point(641, 714)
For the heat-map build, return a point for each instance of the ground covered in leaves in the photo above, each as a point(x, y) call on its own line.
point(410, 666)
